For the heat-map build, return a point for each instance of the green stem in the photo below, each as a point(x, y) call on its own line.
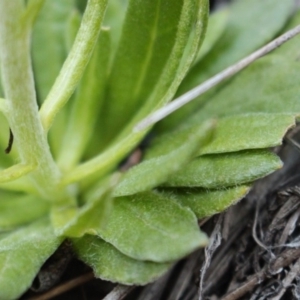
point(18, 84)
point(76, 62)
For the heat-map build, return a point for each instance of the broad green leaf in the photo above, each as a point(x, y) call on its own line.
point(22, 253)
point(205, 203)
point(223, 170)
point(249, 131)
point(151, 32)
point(170, 155)
point(148, 35)
point(86, 106)
point(110, 264)
point(216, 26)
point(48, 43)
point(148, 226)
point(242, 36)
point(267, 86)
point(17, 210)
point(173, 73)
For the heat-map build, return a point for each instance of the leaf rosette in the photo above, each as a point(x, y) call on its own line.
point(98, 68)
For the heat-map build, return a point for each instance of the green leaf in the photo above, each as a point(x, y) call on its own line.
point(110, 264)
point(223, 170)
point(205, 203)
point(249, 131)
point(86, 106)
point(168, 155)
point(242, 36)
point(148, 35)
point(276, 93)
point(49, 30)
point(76, 62)
point(150, 227)
point(151, 32)
point(22, 253)
point(15, 172)
point(173, 73)
point(16, 210)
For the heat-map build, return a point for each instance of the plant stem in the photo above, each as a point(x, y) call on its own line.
point(18, 84)
point(76, 62)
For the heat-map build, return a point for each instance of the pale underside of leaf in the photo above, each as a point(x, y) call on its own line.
point(110, 264)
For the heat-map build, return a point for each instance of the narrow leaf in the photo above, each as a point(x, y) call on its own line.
point(223, 170)
point(110, 264)
point(86, 106)
point(15, 172)
point(22, 253)
point(205, 203)
point(168, 155)
point(49, 30)
point(75, 63)
point(148, 226)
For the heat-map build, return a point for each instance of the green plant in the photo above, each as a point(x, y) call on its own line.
point(130, 227)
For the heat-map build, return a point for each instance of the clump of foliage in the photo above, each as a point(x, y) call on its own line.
point(75, 82)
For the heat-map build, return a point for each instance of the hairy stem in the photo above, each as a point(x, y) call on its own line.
point(18, 84)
